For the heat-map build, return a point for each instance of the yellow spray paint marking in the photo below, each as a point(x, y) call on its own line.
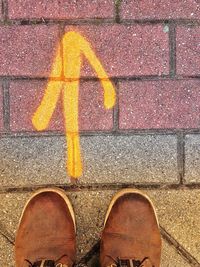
point(74, 46)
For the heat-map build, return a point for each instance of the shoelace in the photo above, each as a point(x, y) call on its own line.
point(47, 263)
point(129, 262)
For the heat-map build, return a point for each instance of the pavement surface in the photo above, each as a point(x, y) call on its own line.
point(150, 140)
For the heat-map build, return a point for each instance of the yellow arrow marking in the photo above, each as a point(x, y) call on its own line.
point(73, 47)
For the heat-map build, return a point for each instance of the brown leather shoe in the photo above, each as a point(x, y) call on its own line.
point(46, 234)
point(131, 236)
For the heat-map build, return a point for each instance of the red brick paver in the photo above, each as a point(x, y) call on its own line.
point(128, 50)
point(64, 9)
point(132, 50)
point(27, 50)
point(188, 51)
point(159, 104)
point(1, 108)
point(160, 9)
point(25, 97)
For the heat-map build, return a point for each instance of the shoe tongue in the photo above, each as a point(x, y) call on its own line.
point(128, 263)
point(44, 263)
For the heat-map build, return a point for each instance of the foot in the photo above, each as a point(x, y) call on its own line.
point(131, 236)
point(46, 233)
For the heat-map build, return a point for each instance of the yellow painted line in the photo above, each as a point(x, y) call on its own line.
point(67, 66)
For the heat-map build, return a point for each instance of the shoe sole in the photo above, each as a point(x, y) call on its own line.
point(128, 191)
point(61, 193)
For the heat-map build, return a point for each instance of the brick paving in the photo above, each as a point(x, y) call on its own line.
point(159, 9)
point(150, 140)
point(27, 50)
point(29, 9)
point(150, 159)
point(153, 104)
point(93, 115)
point(133, 57)
point(192, 147)
point(188, 50)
